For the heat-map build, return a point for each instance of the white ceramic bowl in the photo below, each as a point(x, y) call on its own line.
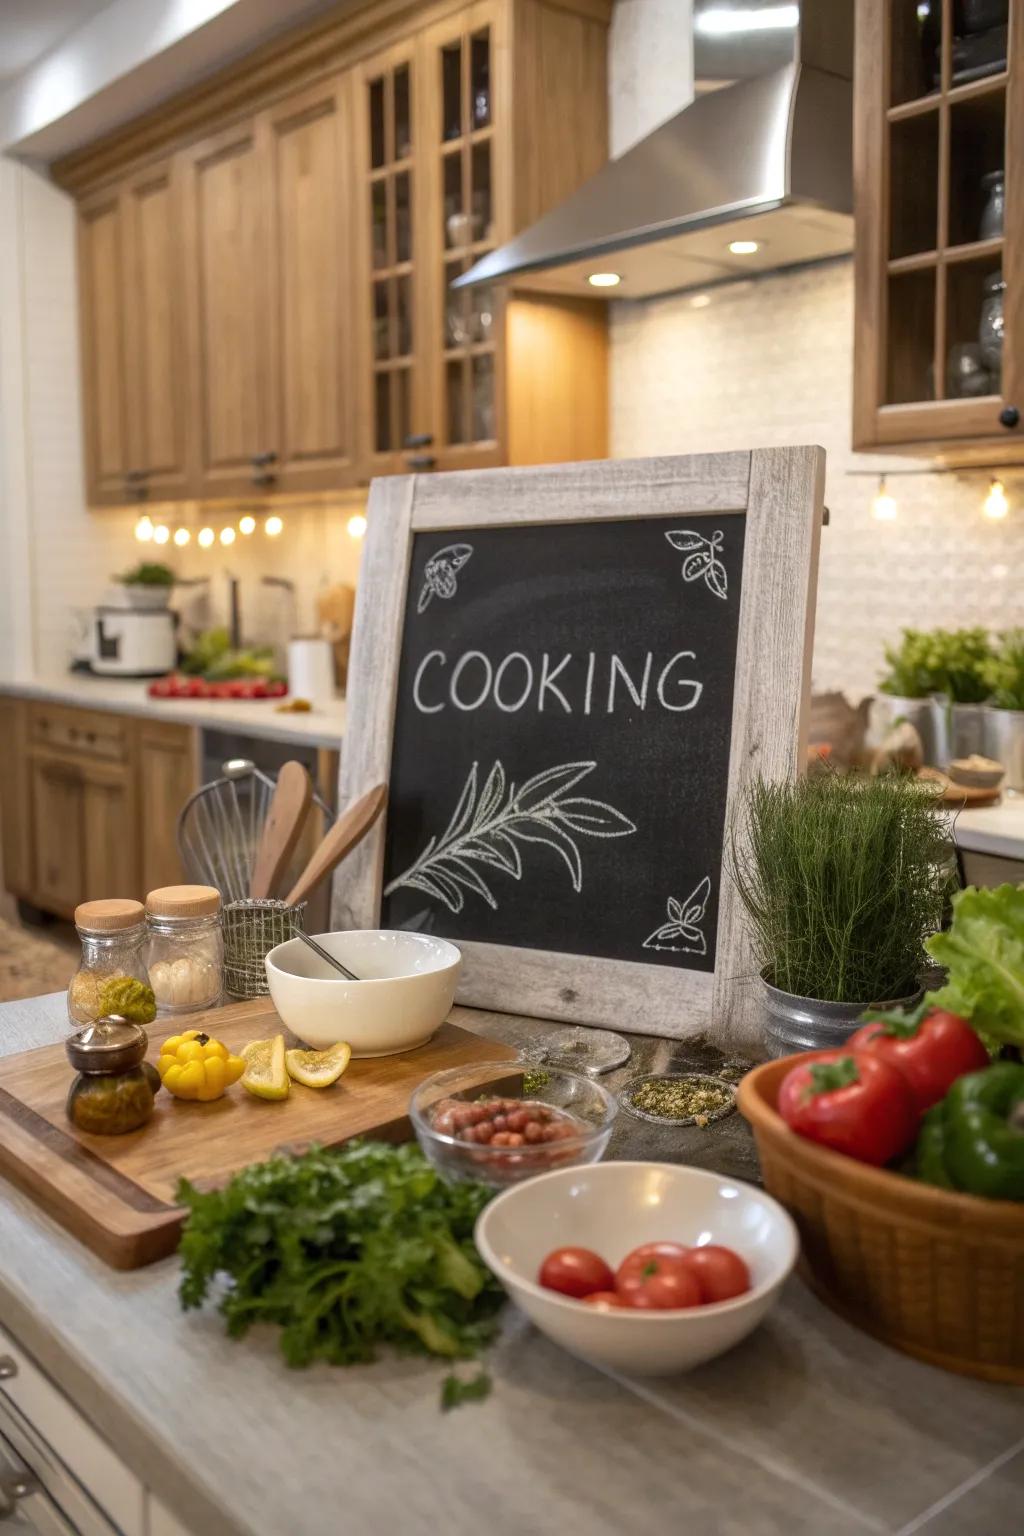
point(405, 991)
point(613, 1208)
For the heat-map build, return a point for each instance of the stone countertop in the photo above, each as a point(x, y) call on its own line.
point(997, 829)
point(126, 696)
point(809, 1428)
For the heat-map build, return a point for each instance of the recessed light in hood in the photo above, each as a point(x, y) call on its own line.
point(766, 159)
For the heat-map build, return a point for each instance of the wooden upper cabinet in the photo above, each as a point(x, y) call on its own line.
point(308, 152)
point(225, 224)
point(154, 316)
point(102, 293)
point(939, 173)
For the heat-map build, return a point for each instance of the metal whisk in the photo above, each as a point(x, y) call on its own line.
point(220, 826)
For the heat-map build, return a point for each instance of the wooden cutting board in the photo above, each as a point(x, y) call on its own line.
point(116, 1193)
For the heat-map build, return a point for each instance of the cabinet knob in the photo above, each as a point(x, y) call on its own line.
point(419, 440)
point(261, 460)
point(421, 461)
point(1009, 416)
point(8, 1368)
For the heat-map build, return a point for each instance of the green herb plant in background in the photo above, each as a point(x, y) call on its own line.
point(1004, 671)
point(843, 879)
point(345, 1250)
point(911, 674)
point(148, 573)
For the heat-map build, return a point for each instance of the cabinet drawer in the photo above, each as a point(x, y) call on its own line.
point(50, 1418)
point(83, 732)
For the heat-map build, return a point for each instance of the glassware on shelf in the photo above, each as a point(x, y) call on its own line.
point(993, 213)
point(991, 322)
point(480, 76)
point(966, 374)
point(481, 320)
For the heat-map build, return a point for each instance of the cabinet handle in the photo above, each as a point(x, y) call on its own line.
point(419, 440)
point(8, 1367)
point(134, 476)
point(420, 461)
point(261, 460)
point(1009, 416)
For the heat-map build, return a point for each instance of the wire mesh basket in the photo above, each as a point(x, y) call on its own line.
point(251, 930)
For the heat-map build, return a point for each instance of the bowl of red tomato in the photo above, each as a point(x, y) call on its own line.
point(646, 1268)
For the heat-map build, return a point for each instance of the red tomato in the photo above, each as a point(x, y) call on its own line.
point(161, 689)
point(720, 1273)
point(258, 688)
point(857, 1104)
point(195, 688)
point(575, 1271)
point(931, 1047)
point(277, 689)
point(656, 1275)
point(603, 1299)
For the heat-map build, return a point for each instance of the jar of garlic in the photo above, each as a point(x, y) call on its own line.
point(186, 949)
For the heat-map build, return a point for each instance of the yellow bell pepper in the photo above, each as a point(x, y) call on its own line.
point(193, 1065)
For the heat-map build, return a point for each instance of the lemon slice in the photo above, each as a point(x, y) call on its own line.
point(265, 1073)
point(318, 1069)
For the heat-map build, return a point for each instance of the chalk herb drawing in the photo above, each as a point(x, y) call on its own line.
point(488, 827)
point(681, 934)
point(702, 558)
point(440, 571)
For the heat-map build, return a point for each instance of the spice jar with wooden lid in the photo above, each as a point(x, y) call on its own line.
point(112, 976)
point(186, 947)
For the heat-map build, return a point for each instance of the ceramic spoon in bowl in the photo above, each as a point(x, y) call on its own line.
point(349, 829)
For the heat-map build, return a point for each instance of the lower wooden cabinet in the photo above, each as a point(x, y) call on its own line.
point(77, 824)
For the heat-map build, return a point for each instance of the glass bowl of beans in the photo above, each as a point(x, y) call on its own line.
point(502, 1121)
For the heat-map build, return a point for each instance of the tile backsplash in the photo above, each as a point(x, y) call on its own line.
point(770, 363)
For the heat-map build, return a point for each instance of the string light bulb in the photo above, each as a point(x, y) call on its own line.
point(161, 534)
point(181, 537)
point(273, 526)
point(205, 537)
point(247, 524)
point(883, 508)
point(995, 504)
point(227, 536)
point(356, 525)
point(144, 529)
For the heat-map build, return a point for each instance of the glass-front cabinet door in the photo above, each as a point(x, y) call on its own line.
point(940, 222)
point(392, 332)
point(465, 118)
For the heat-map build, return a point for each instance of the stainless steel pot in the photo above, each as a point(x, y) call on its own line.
point(807, 1024)
point(959, 729)
point(918, 713)
point(1004, 740)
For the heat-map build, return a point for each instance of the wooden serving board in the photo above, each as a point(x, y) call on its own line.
point(116, 1193)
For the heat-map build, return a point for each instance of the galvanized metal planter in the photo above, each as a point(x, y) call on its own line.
point(807, 1024)
point(1004, 741)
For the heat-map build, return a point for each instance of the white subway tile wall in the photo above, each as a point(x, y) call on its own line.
point(770, 363)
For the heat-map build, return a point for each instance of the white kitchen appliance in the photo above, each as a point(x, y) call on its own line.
point(133, 642)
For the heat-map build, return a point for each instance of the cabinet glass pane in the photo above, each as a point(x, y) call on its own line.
point(403, 113)
point(451, 91)
point(402, 407)
point(914, 185)
point(403, 306)
point(455, 395)
point(480, 78)
point(977, 134)
point(483, 397)
point(379, 224)
point(910, 349)
point(457, 223)
point(974, 329)
point(456, 302)
point(915, 42)
point(377, 151)
point(382, 405)
point(381, 340)
point(481, 321)
point(483, 210)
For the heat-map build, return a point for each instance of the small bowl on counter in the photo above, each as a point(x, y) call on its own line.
point(499, 1122)
point(612, 1209)
point(405, 990)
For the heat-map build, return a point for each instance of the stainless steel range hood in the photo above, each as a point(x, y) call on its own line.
point(763, 154)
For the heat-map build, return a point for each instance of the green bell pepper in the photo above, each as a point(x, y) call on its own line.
point(974, 1140)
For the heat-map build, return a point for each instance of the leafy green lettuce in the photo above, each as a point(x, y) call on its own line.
point(983, 951)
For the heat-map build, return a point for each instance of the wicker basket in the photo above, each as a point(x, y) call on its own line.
point(938, 1275)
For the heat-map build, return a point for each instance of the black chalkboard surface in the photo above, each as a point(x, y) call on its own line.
point(560, 755)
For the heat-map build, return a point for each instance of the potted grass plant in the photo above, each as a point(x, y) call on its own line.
point(843, 878)
point(907, 686)
point(1004, 712)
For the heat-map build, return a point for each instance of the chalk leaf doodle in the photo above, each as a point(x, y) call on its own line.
point(489, 828)
point(682, 932)
point(702, 558)
point(440, 571)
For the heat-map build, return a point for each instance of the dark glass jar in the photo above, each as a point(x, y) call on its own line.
point(113, 1091)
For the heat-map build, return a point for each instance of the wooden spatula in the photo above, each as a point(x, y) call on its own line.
point(349, 829)
point(286, 818)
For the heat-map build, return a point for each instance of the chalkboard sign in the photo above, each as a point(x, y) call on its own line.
point(564, 675)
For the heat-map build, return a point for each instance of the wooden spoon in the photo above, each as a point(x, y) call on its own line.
point(289, 807)
point(349, 829)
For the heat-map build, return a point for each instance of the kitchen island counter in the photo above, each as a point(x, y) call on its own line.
point(126, 696)
point(810, 1428)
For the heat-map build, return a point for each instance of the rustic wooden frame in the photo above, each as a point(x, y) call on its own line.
point(780, 492)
